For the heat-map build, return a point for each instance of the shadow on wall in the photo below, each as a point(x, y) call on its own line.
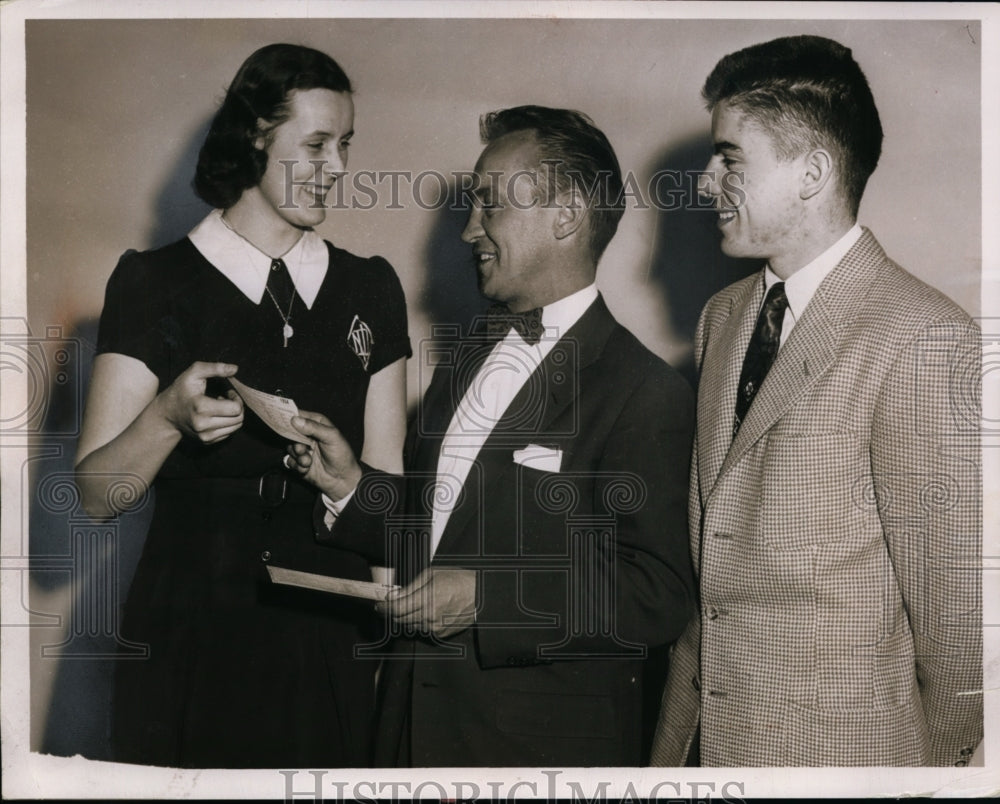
point(82, 569)
point(687, 268)
point(177, 208)
point(451, 292)
point(687, 265)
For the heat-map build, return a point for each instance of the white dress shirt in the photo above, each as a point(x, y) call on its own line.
point(247, 267)
point(505, 372)
point(801, 286)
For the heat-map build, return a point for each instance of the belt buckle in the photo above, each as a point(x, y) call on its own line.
point(269, 492)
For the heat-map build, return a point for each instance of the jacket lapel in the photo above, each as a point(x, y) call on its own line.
point(720, 376)
point(437, 406)
point(551, 389)
point(812, 345)
point(558, 374)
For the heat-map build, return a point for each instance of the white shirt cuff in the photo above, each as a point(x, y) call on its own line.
point(335, 507)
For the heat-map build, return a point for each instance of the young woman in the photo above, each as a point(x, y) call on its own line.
point(241, 673)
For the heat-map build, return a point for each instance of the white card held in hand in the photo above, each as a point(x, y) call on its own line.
point(275, 411)
point(544, 459)
point(368, 590)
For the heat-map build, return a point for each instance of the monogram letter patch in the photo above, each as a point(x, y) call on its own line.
point(361, 340)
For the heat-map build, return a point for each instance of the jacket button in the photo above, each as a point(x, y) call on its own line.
point(966, 752)
point(265, 515)
point(511, 661)
point(712, 612)
point(265, 556)
point(961, 763)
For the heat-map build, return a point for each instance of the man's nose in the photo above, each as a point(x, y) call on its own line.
point(473, 228)
point(708, 180)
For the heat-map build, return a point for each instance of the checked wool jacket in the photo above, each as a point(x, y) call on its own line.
point(837, 537)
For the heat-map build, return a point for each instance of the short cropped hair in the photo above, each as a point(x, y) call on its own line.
point(578, 155)
point(806, 92)
point(255, 104)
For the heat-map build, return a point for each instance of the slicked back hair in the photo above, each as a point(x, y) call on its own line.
point(577, 155)
point(806, 92)
point(256, 103)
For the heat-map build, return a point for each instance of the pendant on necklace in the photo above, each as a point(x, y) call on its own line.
point(287, 331)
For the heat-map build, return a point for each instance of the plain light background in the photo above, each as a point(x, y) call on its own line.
point(117, 111)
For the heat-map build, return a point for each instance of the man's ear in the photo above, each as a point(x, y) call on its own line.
point(818, 170)
point(571, 212)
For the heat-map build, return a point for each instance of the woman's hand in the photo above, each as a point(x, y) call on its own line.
point(129, 429)
point(186, 407)
point(329, 463)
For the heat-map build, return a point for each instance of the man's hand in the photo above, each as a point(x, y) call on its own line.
point(440, 601)
point(329, 463)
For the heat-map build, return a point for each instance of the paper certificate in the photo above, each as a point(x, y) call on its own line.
point(324, 583)
point(275, 411)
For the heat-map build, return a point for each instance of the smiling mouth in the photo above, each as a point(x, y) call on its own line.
point(726, 215)
point(317, 192)
point(483, 257)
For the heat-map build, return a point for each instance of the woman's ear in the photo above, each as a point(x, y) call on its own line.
point(260, 141)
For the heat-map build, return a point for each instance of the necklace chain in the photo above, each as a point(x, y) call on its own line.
point(286, 319)
point(286, 331)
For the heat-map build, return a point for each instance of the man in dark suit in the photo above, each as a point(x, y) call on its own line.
point(543, 517)
point(836, 512)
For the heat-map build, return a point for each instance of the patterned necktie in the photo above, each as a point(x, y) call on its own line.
point(761, 352)
point(499, 320)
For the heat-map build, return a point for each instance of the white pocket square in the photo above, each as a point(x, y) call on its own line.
point(544, 459)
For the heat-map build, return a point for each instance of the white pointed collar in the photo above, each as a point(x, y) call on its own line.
point(247, 267)
point(560, 315)
point(802, 285)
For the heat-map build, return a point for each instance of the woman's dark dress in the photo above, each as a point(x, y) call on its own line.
point(242, 673)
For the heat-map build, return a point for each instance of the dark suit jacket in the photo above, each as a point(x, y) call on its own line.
point(581, 570)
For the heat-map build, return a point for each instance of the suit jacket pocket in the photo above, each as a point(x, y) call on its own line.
point(810, 489)
point(545, 503)
point(548, 714)
point(817, 737)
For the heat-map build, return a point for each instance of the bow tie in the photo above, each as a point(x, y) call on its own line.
point(499, 320)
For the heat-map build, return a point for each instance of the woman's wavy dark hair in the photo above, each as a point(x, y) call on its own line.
point(255, 104)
